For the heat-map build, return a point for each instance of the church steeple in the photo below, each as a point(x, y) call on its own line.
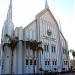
point(9, 14)
point(46, 5)
point(8, 27)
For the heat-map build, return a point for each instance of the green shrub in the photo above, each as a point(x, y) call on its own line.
point(45, 72)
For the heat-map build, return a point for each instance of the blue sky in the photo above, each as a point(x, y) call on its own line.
point(24, 11)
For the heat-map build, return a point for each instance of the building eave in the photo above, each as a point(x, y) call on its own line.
point(62, 35)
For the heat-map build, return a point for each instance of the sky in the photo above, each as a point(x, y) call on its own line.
point(24, 12)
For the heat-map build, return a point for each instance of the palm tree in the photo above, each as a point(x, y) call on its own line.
point(73, 54)
point(35, 46)
point(12, 42)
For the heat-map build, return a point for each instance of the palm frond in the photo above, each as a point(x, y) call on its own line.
point(34, 45)
point(40, 48)
point(73, 52)
point(12, 41)
point(9, 37)
point(4, 45)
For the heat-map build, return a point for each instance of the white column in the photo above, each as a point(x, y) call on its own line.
point(20, 52)
point(7, 60)
point(20, 58)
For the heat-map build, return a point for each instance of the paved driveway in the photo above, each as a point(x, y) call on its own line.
point(67, 74)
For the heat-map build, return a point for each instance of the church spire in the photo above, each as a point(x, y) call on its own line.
point(46, 5)
point(9, 14)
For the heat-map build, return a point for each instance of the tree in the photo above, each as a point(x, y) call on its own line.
point(55, 69)
point(73, 54)
point(12, 42)
point(41, 70)
point(35, 46)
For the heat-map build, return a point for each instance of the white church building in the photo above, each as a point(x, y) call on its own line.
point(44, 28)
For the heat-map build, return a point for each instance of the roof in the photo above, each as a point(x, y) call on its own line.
point(30, 23)
point(43, 12)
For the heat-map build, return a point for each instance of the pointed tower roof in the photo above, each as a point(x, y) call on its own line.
point(46, 5)
point(9, 14)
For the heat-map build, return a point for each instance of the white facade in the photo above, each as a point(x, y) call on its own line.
point(0, 58)
point(55, 47)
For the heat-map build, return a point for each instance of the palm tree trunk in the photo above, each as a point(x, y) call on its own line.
point(33, 62)
point(11, 62)
point(73, 60)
